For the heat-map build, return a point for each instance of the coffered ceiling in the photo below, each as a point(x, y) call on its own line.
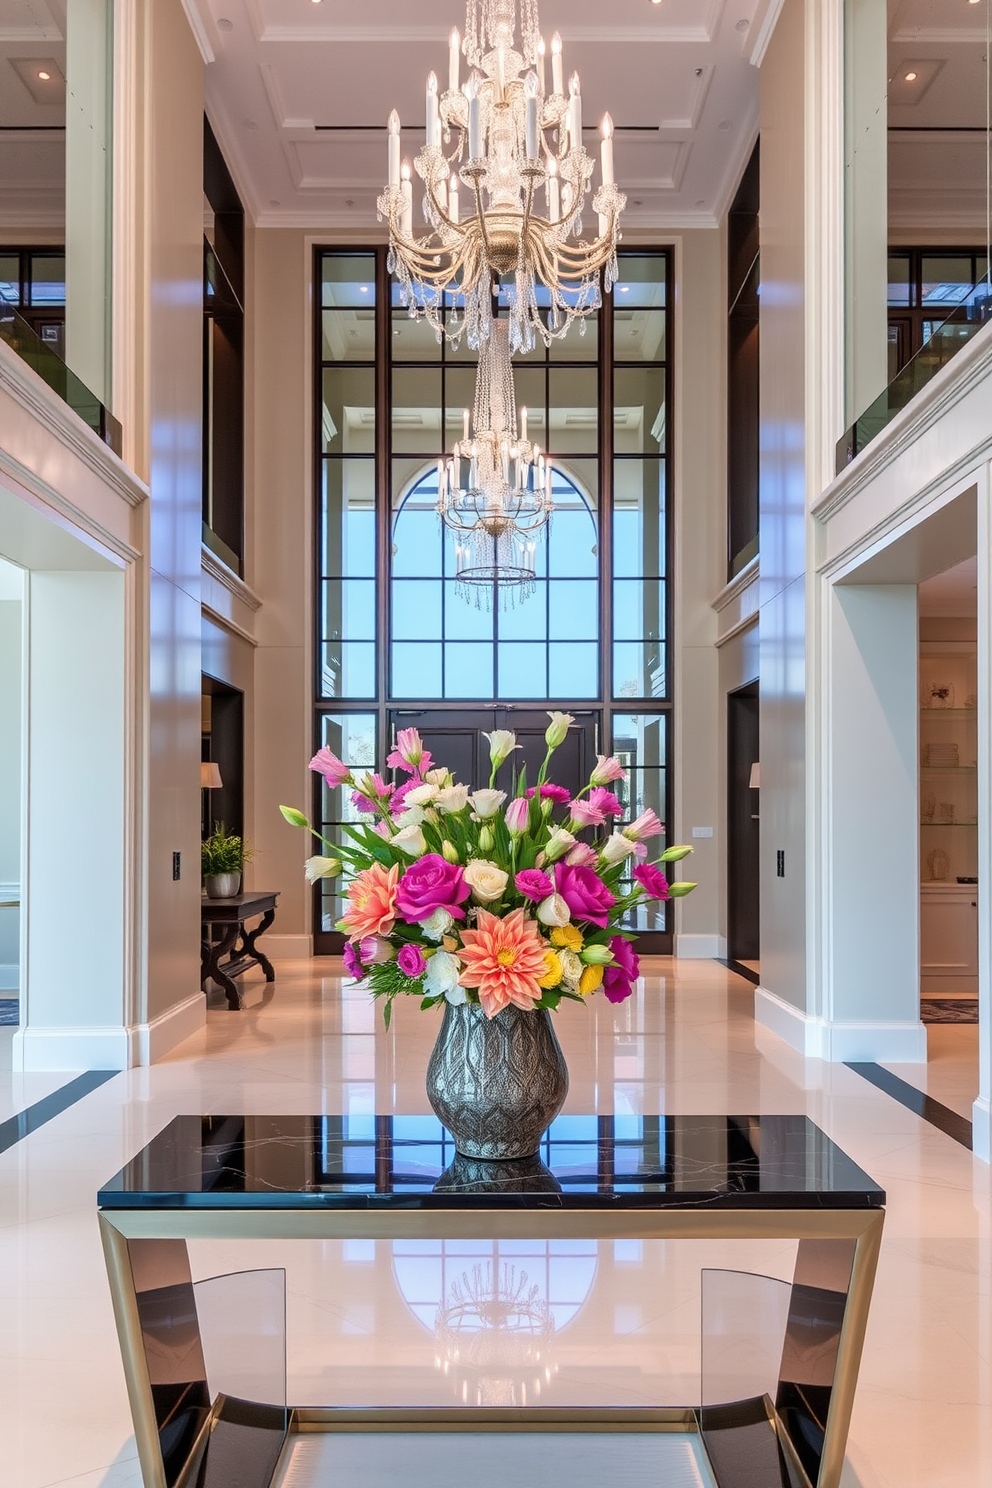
point(299, 91)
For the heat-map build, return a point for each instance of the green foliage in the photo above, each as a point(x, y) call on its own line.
point(222, 852)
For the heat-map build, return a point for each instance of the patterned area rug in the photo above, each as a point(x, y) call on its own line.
point(9, 1017)
point(949, 1009)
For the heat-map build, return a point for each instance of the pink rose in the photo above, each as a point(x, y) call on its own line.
point(585, 813)
point(411, 961)
point(533, 884)
point(556, 793)
point(582, 856)
point(429, 884)
point(585, 893)
point(652, 881)
point(605, 801)
point(622, 973)
point(325, 762)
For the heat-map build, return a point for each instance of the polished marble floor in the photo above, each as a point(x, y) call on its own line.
point(364, 1320)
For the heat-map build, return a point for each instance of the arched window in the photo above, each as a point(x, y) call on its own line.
point(449, 642)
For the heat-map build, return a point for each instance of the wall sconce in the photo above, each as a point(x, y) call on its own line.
point(754, 783)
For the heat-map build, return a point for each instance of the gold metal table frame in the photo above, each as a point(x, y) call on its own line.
point(802, 1434)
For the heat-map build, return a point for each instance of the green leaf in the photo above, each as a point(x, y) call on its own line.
point(294, 817)
point(679, 890)
point(674, 854)
point(387, 1011)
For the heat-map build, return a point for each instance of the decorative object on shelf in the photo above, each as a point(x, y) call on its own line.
point(495, 145)
point(946, 811)
point(928, 806)
point(222, 860)
point(942, 756)
point(941, 695)
point(496, 909)
point(494, 491)
point(938, 865)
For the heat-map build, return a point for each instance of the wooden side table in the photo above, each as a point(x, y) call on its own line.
point(231, 916)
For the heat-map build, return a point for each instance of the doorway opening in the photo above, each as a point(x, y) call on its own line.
point(743, 840)
point(222, 744)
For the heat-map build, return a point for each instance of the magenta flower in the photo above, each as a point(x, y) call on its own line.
point(353, 962)
point(608, 768)
point(516, 815)
point(325, 762)
point(582, 856)
point(585, 813)
point(361, 803)
point(556, 793)
point(644, 826)
point(622, 973)
point(411, 961)
point(585, 893)
point(429, 884)
point(409, 754)
point(397, 801)
point(605, 801)
point(533, 884)
point(652, 881)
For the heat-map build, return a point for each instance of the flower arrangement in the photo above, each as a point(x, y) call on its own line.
point(468, 896)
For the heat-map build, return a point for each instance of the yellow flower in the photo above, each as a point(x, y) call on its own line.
point(567, 936)
point(591, 979)
point(553, 975)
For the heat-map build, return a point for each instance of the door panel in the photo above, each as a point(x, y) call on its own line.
point(743, 843)
point(455, 739)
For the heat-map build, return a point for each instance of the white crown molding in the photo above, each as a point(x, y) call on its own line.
point(748, 575)
point(968, 368)
point(735, 170)
point(219, 570)
point(24, 385)
point(924, 36)
point(637, 229)
point(230, 148)
point(204, 29)
point(760, 31)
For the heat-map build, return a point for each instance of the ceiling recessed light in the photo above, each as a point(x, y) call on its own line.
point(250, 124)
point(273, 201)
point(724, 124)
point(911, 77)
point(224, 24)
point(46, 77)
point(701, 202)
point(742, 25)
point(655, 2)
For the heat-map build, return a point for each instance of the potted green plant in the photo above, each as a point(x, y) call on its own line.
point(222, 858)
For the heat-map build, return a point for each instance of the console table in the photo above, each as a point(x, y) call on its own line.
point(206, 1367)
point(231, 915)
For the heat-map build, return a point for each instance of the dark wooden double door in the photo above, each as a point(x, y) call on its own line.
point(456, 740)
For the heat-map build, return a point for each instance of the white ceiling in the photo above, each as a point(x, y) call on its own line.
point(953, 592)
point(675, 76)
point(32, 117)
point(937, 143)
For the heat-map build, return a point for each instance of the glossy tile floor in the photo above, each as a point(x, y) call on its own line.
point(362, 1320)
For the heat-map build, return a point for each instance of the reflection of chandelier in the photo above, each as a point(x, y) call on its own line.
point(513, 141)
point(494, 491)
point(494, 1335)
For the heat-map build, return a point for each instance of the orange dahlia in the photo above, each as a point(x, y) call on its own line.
point(373, 902)
point(505, 959)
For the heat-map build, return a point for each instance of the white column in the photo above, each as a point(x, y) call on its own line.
point(982, 1108)
point(88, 196)
point(866, 203)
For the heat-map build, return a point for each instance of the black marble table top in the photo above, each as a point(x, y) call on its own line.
point(409, 1162)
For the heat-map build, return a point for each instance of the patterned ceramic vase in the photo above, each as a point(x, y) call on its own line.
point(496, 1083)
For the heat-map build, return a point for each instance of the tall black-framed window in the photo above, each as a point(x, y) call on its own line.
point(743, 414)
point(394, 636)
point(223, 359)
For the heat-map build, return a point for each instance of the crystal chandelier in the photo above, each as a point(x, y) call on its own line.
point(516, 150)
point(494, 490)
point(494, 1337)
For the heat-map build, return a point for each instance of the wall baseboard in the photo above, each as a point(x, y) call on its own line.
point(700, 947)
point(287, 947)
point(39, 1050)
point(816, 1038)
point(10, 978)
point(981, 1129)
point(152, 1040)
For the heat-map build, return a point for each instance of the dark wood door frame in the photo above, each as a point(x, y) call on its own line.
point(743, 840)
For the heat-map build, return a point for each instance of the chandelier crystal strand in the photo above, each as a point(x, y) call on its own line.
point(495, 489)
point(506, 178)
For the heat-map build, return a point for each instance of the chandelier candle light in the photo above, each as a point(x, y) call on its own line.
point(517, 151)
point(494, 490)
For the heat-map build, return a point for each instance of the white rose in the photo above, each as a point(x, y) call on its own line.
point(452, 798)
point(486, 803)
point(420, 795)
point(553, 911)
point(438, 777)
point(411, 841)
point(437, 925)
point(315, 868)
point(412, 817)
point(441, 976)
point(571, 966)
point(558, 843)
point(616, 848)
point(486, 881)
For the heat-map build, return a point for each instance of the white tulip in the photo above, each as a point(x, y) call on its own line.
point(553, 911)
point(411, 841)
point(315, 868)
point(452, 798)
point(438, 777)
point(616, 848)
point(557, 730)
point(486, 803)
point(558, 844)
point(486, 880)
point(502, 743)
